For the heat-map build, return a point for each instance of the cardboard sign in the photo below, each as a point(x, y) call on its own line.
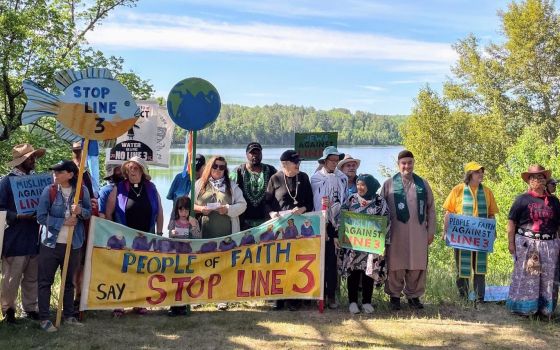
point(94, 104)
point(127, 268)
point(471, 233)
point(310, 146)
point(150, 138)
point(27, 191)
point(362, 232)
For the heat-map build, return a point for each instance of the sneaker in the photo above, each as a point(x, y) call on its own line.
point(414, 303)
point(222, 306)
point(72, 321)
point(294, 305)
point(278, 305)
point(32, 315)
point(118, 313)
point(10, 316)
point(332, 304)
point(353, 308)
point(395, 303)
point(368, 308)
point(47, 326)
point(177, 311)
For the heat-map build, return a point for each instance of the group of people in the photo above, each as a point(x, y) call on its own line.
point(255, 192)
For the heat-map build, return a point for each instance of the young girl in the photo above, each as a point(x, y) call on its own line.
point(182, 226)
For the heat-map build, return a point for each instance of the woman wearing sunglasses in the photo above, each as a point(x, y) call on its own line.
point(219, 200)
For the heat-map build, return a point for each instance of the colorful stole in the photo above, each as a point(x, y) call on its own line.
point(465, 256)
point(400, 198)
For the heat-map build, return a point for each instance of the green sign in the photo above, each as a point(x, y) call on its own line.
point(362, 232)
point(310, 145)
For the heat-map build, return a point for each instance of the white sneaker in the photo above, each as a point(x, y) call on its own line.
point(354, 309)
point(368, 308)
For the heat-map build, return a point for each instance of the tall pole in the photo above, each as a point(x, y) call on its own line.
point(193, 171)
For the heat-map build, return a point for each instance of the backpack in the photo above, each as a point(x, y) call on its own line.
point(52, 193)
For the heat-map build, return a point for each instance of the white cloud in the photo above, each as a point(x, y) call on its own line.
point(181, 33)
point(373, 88)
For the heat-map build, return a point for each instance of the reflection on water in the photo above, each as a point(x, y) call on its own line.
point(373, 159)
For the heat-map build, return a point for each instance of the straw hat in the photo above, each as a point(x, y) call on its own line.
point(21, 152)
point(140, 162)
point(347, 159)
point(535, 169)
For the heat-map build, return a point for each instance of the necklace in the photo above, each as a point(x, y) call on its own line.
point(139, 192)
point(254, 185)
point(288, 190)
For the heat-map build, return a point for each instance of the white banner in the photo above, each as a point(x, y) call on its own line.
point(149, 139)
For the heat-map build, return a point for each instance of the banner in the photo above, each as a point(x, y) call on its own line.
point(149, 139)
point(362, 232)
point(280, 259)
point(471, 233)
point(310, 146)
point(27, 190)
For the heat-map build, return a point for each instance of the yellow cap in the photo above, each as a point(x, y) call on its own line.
point(473, 166)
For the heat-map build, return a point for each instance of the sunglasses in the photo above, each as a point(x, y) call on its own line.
point(219, 167)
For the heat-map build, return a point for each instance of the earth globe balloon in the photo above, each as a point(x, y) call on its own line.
point(193, 104)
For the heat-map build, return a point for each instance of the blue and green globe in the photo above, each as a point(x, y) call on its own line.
point(193, 104)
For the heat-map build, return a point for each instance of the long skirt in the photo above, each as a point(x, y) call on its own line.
point(534, 286)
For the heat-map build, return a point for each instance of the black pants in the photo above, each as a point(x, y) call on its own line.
point(353, 283)
point(330, 264)
point(49, 261)
point(463, 283)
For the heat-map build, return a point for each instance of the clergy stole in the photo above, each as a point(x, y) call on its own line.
point(400, 198)
point(466, 256)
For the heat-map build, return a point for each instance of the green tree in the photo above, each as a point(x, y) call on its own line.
point(40, 37)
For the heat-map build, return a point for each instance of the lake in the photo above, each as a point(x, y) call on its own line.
point(373, 160)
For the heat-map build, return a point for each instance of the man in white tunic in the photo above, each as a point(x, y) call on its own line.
point(413, 225)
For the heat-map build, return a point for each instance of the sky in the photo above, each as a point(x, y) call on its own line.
point(362, 55)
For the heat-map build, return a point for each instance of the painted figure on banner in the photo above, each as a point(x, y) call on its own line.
point(413, 225)
point(20, 246)
point(330, 188)
point(470, 198)
point(253, 177)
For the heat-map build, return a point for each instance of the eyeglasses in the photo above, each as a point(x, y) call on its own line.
point(221, 167)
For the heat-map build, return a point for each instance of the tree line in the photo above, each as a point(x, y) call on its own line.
point(276, 125)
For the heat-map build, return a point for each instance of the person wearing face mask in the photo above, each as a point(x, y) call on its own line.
point(20, 249)
point(349, 166)
point(413, 225)
point(532, 229)
point(473, 199)
point(330, 188)
point(252, 178)
point(113, 177)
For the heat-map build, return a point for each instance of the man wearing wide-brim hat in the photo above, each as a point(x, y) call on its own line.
point(20, 247)
point(349, 167)
point(471, 198)
point(330, 188)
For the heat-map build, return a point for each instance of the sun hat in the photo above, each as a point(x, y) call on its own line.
point(21, 152)
point(330, 151)
point(473, 166)
point(534, 170)
point(141, 163)
point(348, 159)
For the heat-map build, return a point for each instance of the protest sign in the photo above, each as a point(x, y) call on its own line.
point(470, 233)
point(127, 268)
point(310, 146)
point(149, 139)
point(27, 190)
point(362, 232)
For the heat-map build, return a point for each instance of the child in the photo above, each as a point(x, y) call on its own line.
point(185, 227)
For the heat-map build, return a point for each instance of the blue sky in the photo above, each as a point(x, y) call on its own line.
point(362, 55)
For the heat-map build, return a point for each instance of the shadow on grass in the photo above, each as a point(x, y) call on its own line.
point(437, 326)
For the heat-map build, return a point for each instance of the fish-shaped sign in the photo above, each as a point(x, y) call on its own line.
point(94, 104)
